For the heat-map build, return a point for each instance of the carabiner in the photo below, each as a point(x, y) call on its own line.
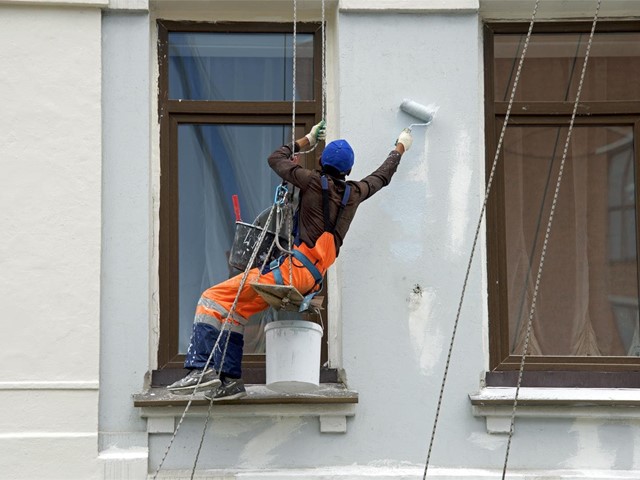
point(281, 194)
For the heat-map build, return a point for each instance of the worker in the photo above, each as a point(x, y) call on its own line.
point(328, 204)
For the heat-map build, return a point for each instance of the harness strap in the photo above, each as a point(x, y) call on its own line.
point(325, 202)
point(274, 267)
point(277, 275)
point(317, 276)
point(308, 264)
point(328, 226)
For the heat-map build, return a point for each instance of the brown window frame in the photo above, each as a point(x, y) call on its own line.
point(547, 371)
point(171, 113)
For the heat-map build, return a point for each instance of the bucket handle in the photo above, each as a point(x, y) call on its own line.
point(316, 310)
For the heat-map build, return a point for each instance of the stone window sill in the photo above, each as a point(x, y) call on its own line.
point(496, 404)
point(332, 403)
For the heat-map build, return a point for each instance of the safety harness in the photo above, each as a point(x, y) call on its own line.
point(302, 258)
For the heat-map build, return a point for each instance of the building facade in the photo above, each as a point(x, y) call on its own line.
point(127, 126)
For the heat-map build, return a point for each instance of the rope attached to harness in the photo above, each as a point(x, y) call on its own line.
point(302, 258)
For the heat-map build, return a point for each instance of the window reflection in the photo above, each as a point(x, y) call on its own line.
point(551, 70)
point(239, 66)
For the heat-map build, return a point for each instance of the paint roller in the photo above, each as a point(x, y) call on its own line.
point(419, 111)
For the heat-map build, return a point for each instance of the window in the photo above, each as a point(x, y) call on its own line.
point(224, 106)
point(586, 324)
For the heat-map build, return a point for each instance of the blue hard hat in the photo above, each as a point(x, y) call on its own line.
point(339, 155)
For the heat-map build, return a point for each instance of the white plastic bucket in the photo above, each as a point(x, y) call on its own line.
point(293, 355)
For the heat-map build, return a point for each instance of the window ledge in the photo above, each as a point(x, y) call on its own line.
point(496, 404)
point(332, 403)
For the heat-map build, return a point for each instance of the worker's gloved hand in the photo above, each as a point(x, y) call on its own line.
point(318, 132)
point(405, 139)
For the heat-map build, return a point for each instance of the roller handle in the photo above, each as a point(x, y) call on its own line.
point(236, 207)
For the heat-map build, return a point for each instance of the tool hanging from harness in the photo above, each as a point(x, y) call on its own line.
point(329, 227)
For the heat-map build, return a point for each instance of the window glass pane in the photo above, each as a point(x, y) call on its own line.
point(214, 163)
point(239, 66)
point(588, 300)
point(618, 173)
point(615, 235)
point(553, 64)
point(629, 234)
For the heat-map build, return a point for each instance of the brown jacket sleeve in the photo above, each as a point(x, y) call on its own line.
point(281, 163)
point(372, 183)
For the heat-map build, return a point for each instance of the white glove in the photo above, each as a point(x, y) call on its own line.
point(318, 132)
point(405, 139)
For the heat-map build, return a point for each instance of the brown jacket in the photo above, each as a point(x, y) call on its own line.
point(311, 220)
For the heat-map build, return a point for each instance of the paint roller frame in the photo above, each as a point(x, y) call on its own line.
point(419, 111)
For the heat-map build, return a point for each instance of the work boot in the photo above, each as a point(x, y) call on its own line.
point(230, 389)
point(189, 383)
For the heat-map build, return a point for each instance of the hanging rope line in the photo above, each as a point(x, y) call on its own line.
point(225, 327)
point(546, 238)
point(323, 68)
point(323, 43)
point(232, 309)
point(477, 235)
point(293, 81)
point(294, 41)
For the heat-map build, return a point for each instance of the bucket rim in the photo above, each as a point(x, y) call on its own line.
point(302, 324)
point(240, 222)
point(257, 227)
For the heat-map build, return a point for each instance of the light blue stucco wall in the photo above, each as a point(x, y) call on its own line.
point(401, 290)
point(402, 263)
point(401, 269)
point(126, 238)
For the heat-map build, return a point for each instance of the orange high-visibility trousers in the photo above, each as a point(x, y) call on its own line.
point(322, 255)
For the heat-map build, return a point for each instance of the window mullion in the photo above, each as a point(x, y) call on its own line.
point(241, 108)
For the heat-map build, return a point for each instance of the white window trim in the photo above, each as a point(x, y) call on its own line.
point(496, 404)
point(332, 418)
point(330, 403)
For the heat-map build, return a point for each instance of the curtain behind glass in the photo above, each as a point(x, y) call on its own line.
point(216, 162)
point(588, 298)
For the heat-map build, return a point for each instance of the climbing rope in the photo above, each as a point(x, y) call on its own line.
point(224, 328)
point(226, 343)
point(294, 41)
point(283, 215)
point(546, 238)
point(323, 68)
point(547, 233)
point(323, 44)
point(280, 198)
